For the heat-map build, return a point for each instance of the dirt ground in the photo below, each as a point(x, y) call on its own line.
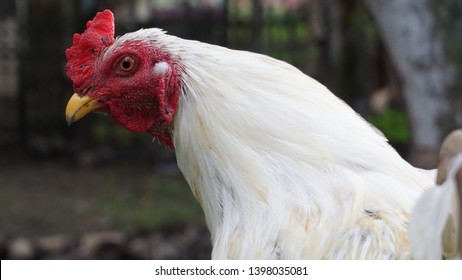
point(45, 197)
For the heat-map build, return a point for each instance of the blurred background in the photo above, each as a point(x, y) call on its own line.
point(94, 190)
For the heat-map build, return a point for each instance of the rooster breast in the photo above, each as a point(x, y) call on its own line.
point(282, 168)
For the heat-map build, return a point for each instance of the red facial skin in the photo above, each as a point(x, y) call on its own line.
point(138, 98)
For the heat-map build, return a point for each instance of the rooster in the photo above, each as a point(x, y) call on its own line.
point(282, 168)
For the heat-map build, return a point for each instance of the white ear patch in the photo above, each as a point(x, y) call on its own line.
point(161, 68)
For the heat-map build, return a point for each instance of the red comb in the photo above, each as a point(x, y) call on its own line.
point(86, 46)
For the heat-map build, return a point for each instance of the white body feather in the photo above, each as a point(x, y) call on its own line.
point(283, 168)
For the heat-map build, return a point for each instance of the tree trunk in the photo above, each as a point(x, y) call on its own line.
point(415, 45)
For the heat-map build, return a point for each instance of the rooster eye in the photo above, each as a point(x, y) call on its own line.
point(126, 65)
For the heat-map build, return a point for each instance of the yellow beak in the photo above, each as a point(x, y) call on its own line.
point(78, 107)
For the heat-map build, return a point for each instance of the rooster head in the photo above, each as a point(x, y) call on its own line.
point(130, 78)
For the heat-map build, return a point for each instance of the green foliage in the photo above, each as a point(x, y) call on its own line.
point(449, 16)
point(363, 24)
point(393, 124)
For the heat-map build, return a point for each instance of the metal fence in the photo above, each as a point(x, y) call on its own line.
point(33, 60)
